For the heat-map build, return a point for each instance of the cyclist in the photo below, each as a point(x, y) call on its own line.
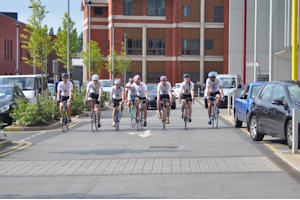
point(214, 89)
point(130, 93)
point(94, 91)
point(187, 94)
point(65, 93)
point(164, 91)
point(142, 95)
point(116, 96)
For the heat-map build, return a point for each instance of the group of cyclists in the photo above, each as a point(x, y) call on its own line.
point(135, 92)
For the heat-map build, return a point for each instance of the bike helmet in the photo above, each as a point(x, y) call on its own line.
point(163, 78)
point(95, 77)
point(137, 78)
point(117, 82)
point(186, 75)
point(64, 75)
point(212, 74)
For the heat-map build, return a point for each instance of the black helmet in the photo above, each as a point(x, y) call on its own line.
point(64, 75)
point(186, 75)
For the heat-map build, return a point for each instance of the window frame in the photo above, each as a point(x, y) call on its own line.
point(206, 44)
point(97, 8)
point(217, 17)
point(128, 6)
point(186, 11)
point(155, 10)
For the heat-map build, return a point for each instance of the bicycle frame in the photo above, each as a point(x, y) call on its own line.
point(140, 120)
point(94, 116)
point(214, 113)
point(164, 108)
point(64, 123)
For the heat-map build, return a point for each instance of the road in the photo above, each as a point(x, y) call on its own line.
point(200, 162)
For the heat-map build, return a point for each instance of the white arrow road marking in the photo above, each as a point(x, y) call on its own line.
point(146, 133)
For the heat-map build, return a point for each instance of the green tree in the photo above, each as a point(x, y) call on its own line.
point(80, 42)
point(97, 58)
point(60, 43)
point(36, 40)
point(51, 31)
point(121, 63)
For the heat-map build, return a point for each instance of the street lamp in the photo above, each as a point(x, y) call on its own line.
point(125, 49)
point(68, 40)
point(89, 5)
point(17, 48)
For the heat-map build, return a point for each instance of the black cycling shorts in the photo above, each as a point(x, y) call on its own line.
point(116, 102)
point(187, 97)
point(63, 98)
point(213, 94)
point(164, 96)
point(94, 96)
point(142, 99)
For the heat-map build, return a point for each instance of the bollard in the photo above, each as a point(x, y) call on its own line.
point(229, 104)
point(295, 131)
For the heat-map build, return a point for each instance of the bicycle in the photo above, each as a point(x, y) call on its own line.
point(94, 116)
point(132, 115)
point(64, 120)
point(214, 113)
point(140, 120)
point(164, 117)
point(117, 118)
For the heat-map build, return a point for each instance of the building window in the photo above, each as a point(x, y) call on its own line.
point(98, 10)
point(153, 77)
point(190, 47)
point(156, 47)
point(20, 53)
point(127, 7)
point(156, 7)
point(209, 44)
point(186, 11)
point(218, 14)
point(134, 47)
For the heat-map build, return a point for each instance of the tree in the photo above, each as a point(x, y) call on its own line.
point(121, 63)
point(97, 58)
point(80, 42)
point(60, 43)
point(36, 40)
point(51, 31)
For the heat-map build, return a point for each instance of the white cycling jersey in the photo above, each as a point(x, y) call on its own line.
point(214, 85)
point(117, 93)
point(94, 88)
point(140, 89)
point(186, 87)
point(164, 89)
point(65, 88)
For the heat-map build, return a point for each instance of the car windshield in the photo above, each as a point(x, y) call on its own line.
point(5, 93)
point(294, 93)
point(152, 89)
point(177, 85)
point(228, 82)
point(26, 82)
point(255, 90)
point(107, 83)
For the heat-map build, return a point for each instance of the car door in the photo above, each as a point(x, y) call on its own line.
point(278, 113)
point(263, 103)
point(238, 101)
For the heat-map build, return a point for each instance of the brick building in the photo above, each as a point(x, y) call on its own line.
point(168, 37)
point(8, 41)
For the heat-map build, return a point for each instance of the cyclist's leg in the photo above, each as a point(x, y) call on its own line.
point(69, 105)
point(136, 103)
point(145, 112)
point(114, 110)
point(209, 102)
point(218, 97)
point(168, 105)
point(183, 101)
point(190, 109)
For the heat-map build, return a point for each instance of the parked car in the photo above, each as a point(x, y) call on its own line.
point(107, 85)
point(243, 101)
point(176, 90)
point(8, 96)
point(51, 89)
point(230, 83)
point(271, 111)
point(152, 97)
point(29, 84)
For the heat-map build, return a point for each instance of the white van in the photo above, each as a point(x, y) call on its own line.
point(230, 83)
point(28, 83)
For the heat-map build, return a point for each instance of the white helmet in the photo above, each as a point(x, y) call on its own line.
point(95, 77)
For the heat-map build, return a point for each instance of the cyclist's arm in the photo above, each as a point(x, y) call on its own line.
point(158, 94)
point(170, 95)
point(87, 93)
point(100, 93)
point(208, 91)
point(58, 94)
point(146, 93)
point(126, 94)
point(221, 90)
point(71, 94)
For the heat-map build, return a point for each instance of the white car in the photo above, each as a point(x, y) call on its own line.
point(107, 84)
point(176, 90)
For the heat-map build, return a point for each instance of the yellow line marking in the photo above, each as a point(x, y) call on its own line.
point(19, 147)
point(247, 132)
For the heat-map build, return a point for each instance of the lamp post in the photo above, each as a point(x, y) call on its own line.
point(68, 40)
point(17, 49)
point(125, 49)
point(89, 5)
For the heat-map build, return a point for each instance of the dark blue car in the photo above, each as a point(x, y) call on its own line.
point(243, 101)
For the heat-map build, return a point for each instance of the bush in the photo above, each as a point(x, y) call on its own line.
point(77, 104)
point(25, 113)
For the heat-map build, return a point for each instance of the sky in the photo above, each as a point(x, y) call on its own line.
point(56, 9)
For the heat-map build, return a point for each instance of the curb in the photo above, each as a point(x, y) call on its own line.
point(35, 128)
point(4, 143)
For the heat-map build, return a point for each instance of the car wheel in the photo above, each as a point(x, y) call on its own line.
point(254, 134)
point(238, 123)
point(289, 133)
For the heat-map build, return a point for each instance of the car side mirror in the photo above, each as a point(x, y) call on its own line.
point(244, 96)
point(278, 102)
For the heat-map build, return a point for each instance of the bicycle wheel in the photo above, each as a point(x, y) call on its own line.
point(96, 121)
point(117, 119)
point(216, 117)
point(141, 119)
point(93, 121)
point(164, 118)
point(64, 122)
point(185, 118)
